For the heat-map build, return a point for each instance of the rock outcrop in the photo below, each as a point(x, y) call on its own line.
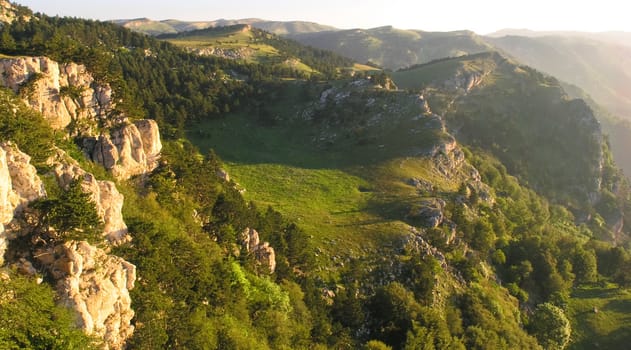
point(131, 150)
point(19, 185)
point(465, 81)
point(63, 93)
point(430, 211)
point(262, 252)
point(88, 280)
point(447, 156)
point(240, 53)
point(97, 286)
point(107, 199)
point(8, 12)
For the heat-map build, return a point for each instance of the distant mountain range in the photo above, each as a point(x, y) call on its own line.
point(171, 26)
point(598, 63)
point(623, 38)
point(394, 48)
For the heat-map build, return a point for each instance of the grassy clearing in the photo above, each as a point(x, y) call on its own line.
point(240, 38)
point(351, 198)
point(279, 166)
point(364, 68)
point(344, 177)
point(420, 77)
point(602, 329)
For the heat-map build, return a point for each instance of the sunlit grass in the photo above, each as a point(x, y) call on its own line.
point(600, 317)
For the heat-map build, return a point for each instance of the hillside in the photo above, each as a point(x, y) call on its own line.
point(244, 43)
point(518, 127)
point(394, 48)
point(170, 26)
point(156, 198)
point(356, 176)
point(599, 68)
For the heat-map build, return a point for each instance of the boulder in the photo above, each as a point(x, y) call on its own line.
point(430, 211)
point(421, 184)
point(263, 253)
point(133, 149)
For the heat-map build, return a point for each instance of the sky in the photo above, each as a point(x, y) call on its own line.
point(481, 16)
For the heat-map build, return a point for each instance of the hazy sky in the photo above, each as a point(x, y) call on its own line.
point(481, 16)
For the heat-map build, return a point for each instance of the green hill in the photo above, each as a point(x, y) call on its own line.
point(169, 26)
point(534, 128)
point(244, 43)
point(599, 68)
point(394, 48)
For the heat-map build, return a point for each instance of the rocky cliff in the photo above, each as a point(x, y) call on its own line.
point(19, 185)
point(106, 197)
point(64, 93)
point(69, 97)
point(97, 286)
point(88, 279)
point(130, 150)
point(9, 12)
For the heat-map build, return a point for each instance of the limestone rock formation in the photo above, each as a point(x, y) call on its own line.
point(97, 286)
point(63, 93)
point(108, 200)
point(263, 253)
point(240, 53)
point(465, 81)
point(223, 174)
point(19, 185)
point(131, 150)
point(431, 211)
point(8, 12)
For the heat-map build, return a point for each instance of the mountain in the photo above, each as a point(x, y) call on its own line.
point(575, 60)
point(394, 48)
point(244, 43)
point(153, 197)
point(617, 129)
point(618, 38)
point(598, 67)
point(152, 27)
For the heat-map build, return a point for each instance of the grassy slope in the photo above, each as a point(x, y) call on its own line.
point(254, 45)
point(608, 328)
point(234, 37)
point(350, 196)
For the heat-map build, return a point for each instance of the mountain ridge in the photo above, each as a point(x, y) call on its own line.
point(170, 26)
